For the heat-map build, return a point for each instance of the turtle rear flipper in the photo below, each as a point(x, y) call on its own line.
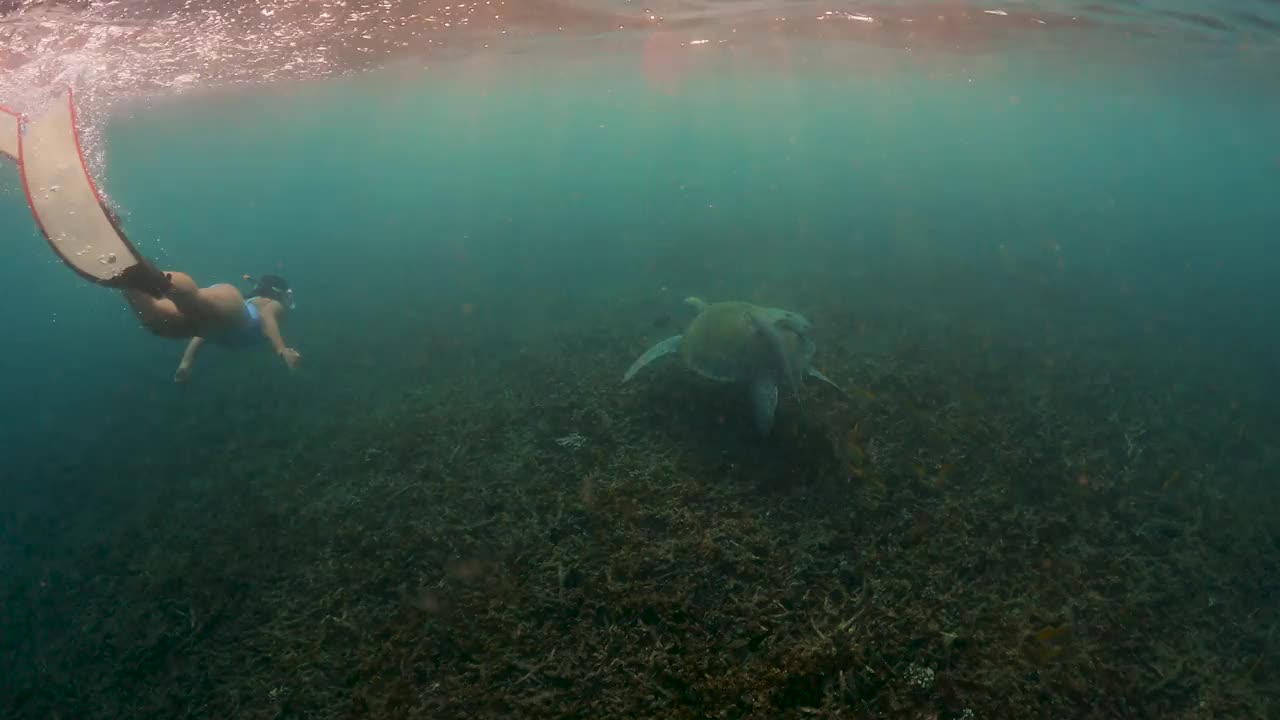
point(665, 347)
point(764, 401)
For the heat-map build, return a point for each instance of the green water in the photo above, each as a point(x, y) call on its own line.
point(417, 192)
point(435, 224)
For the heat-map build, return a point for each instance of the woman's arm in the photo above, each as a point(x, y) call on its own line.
point(188, 357)
point(271, 328)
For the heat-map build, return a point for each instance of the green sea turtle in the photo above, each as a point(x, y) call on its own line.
point(738, 342)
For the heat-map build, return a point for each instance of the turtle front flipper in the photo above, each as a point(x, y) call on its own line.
point(764, 402)
point(665, 347)
point(818, 374)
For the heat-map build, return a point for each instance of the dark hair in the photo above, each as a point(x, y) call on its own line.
point(272, 286)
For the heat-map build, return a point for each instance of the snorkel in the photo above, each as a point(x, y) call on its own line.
point(273, 287)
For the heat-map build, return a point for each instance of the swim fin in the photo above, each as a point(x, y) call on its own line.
point(144, 277)
point(66, 204)
point(9, 127)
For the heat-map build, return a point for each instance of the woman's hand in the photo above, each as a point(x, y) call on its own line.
point(291, 357)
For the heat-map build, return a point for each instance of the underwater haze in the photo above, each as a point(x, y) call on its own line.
point(1034, 242)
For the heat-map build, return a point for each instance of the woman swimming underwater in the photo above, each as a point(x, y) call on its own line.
point(219, 314)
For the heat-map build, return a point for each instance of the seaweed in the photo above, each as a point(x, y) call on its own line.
point(975, 533)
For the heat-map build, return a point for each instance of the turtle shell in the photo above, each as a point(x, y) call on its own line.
point(722, 344)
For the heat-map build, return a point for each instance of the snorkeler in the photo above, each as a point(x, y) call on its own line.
point(87, 235)
point(219, 314)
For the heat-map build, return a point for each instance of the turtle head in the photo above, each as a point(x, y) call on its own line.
point(696, 303)
point(781, 356)
point(795, 322)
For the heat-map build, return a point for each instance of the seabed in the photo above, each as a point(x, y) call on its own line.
point(1016, 514)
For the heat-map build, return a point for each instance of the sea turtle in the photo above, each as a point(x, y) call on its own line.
point(738, 342)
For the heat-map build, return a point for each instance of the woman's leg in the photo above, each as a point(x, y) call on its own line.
point(217, 305)
point(188, 310)
point(220, 308)
point(160, 316)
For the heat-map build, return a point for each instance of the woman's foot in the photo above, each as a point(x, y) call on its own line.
point(144, 277)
